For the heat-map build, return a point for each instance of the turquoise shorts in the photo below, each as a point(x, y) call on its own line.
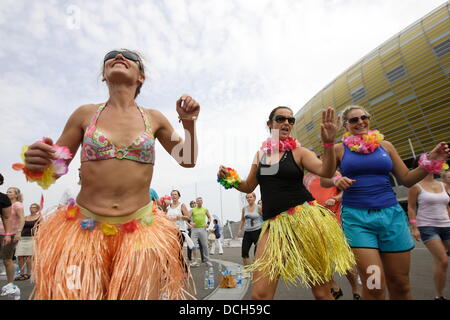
point(384, 229)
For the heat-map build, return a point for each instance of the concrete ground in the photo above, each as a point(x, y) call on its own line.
point(421, 279)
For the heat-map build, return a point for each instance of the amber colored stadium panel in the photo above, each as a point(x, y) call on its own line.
point(404, 84)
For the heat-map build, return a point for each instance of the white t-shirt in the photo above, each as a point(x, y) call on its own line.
point(175, 212)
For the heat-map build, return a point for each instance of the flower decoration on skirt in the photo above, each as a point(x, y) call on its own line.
point(88, 224)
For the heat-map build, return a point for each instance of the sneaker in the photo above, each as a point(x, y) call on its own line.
point(336, 294)
point(356, 296)
point(440, 298)
point(7, 289)
point(11, 290)
point(16, 294)
point(195, 264)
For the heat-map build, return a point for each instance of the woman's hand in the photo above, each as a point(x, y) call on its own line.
point(17, 237)
point(440, 152)
point(415, 233)
point(39, 155)
point(344, 183)
point(329, 126)
point(223, 172)
point(187, 107)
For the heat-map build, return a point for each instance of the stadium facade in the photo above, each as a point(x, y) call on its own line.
point(404, 83)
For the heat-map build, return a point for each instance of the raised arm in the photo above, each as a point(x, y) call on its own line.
point(184, 151)
point(328, 130)
point(408, 177)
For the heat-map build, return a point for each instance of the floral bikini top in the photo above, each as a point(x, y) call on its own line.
point(96, 146)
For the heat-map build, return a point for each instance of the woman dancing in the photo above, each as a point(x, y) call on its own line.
point(300, 240)
point(373, 221)
point(111, 243)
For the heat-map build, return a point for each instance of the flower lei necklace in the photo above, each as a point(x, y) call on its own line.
point(366, 143)
point(272, 145)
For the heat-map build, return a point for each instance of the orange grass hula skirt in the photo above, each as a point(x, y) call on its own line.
point(82, 256)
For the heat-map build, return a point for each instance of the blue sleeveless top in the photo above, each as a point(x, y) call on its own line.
point(372, 189)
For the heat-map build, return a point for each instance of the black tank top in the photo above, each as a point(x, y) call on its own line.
point(27, 228)
point(283, 188)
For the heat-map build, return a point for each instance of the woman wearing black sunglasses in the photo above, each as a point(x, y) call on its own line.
point(373, 221)
point(299, 240)
point(111, 243)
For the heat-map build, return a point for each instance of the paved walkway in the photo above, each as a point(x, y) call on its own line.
point(422, 285)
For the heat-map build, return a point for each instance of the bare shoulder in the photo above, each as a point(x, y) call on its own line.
point(387, 145)
point(338, 148)
point(302, 151)
point(414, 189)
point(154, 114)
point(82, 115)
point(86, 109)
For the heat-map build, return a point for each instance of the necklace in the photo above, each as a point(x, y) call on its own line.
point(366, 143)
point(272, 145)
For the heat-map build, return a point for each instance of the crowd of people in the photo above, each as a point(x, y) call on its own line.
point(342, 217)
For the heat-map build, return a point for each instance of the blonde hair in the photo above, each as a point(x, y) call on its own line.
point(18, 193)
point(350, 108)
point(35, 204)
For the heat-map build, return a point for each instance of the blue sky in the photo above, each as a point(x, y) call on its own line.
point(239, 59)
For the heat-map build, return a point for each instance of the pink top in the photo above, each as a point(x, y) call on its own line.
point(14, 217)
point(432, 208)
point(97, 146)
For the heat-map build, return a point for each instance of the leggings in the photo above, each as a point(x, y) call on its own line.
point(250, 237)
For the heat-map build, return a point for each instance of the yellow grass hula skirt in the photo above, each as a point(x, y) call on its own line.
point(82, 256)
point(305, 244)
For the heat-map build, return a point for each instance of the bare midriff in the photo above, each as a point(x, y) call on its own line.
point(114, 187)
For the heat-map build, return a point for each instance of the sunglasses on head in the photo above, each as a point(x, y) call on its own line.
point(127, 54)
point(280, 119)
point(356, 119)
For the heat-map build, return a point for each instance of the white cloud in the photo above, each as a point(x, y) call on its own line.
point(239, 59)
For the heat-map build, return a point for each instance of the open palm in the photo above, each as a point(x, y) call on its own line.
point(329, 125)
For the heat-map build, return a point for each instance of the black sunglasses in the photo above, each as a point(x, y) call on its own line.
point(127, 54)
point(356, 119)
point(280, 119)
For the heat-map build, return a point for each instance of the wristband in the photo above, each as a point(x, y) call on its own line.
point(193, 118)
point(413, 221)
point(335, 179)
point(431, 165)
point(8, 234)
point(328, 144)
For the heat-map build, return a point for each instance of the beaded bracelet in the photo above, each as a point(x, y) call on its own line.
point(431, 165)
point(231, 181)
point(8, 234)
